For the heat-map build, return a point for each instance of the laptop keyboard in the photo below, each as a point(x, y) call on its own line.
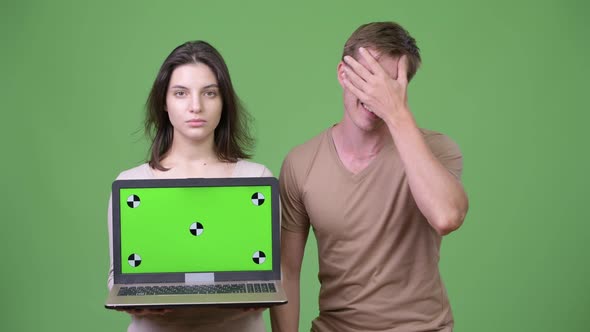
point(197, 289)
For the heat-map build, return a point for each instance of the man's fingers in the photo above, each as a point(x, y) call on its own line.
point(402, 70)
point(355, 91)
point(354, 78)
point(374, 66)
point(359, 69)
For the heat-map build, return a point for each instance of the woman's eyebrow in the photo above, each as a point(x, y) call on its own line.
point(212, 85)
point(178, 86)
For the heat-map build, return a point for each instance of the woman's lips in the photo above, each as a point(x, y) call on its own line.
point(196, 122)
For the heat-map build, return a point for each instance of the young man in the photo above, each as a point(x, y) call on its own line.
point(379, 193)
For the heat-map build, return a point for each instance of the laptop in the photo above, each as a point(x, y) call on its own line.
point(196, 242)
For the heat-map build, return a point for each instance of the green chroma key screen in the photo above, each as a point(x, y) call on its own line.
point(196, 229)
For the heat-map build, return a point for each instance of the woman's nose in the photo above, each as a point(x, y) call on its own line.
point(195, 106)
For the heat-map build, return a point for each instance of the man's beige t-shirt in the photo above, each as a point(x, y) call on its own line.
point(378, 255)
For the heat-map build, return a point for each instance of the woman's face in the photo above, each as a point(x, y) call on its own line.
point(193, 103)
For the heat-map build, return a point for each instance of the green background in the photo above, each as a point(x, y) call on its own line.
point(507, 80)
point(233, 229)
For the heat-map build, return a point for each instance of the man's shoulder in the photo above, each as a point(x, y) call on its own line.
point(301, 158)
point(439, 142)
point(435, 136)
point(310, 147)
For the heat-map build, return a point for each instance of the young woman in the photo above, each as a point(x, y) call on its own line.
point(198, 130)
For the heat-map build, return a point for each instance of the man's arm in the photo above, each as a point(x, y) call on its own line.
point(285, 318)
point(438, 193)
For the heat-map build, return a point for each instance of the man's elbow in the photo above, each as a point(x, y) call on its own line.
point(450, 221)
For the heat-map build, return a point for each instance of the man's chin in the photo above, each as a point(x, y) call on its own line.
point(372, 126)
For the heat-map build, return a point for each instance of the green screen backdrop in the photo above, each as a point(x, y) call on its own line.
point(507, 80)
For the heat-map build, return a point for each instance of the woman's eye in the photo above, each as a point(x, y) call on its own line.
point(211, 94)
point(180, 93)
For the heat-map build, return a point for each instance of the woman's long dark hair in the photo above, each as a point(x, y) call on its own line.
point(232, 136)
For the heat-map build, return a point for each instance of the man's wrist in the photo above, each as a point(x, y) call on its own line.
point(400, 119)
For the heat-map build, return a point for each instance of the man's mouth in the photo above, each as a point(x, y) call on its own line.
point(365, 107)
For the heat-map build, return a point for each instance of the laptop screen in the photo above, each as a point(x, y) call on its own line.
point(195, 225)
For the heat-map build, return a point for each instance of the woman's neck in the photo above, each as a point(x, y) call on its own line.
point(193, 159)
point(183, 150)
